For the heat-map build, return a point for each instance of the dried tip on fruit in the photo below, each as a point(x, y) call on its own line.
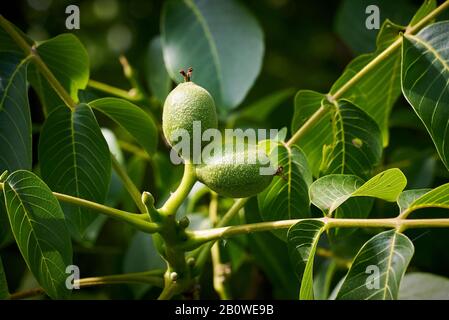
point(147, 199)
point(187, 75)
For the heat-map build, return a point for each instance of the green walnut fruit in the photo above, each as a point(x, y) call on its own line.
point(185, 104)
point(235, 174)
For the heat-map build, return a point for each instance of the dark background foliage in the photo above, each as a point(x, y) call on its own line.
point(307, 45)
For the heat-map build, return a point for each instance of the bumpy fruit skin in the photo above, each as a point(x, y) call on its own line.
point(185, 104)
point(233, 177)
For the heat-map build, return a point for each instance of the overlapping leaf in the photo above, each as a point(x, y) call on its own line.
point(307, 102)
point(357, 144)
point(407, 197)
point(330, 191)
point(302, 243)
point(39, 227)
point(221, 40)
point(378, 89)
point(287, 195)
point(436, 198)
point(75, 160)
point(133, 119)
point(15, 123)
point(425, 75)
point(378, 268)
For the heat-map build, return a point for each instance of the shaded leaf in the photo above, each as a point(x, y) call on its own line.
point(261, 109)
point(221, 40)
point(156, 74)
point(424, 286)
point(302, 242)
point(378, 268)
point(357, 145)
point(75, 160)
point(4, 291)
point(271, 255)
point(351, 17)
point(378, 89)
point(287, 196)
point(133, 119)
point(39, 227)
point(425, 74)
point(15, 124)
point(307, 102)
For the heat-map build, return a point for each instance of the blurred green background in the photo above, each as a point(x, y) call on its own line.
point(307, 46)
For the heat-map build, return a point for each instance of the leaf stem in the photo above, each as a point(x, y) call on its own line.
point(106, 88)
point(153, 277)
point(219, 269)
point(177, 198)
point(129, 185)
point(135, 219)
point(203, 236)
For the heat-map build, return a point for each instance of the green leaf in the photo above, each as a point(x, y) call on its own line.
point(302, 242)
point(131, 118)
point(15, 124)
point(287, 196)
point(75, 160)
point(156, 74)
point(436, 198)
point(307, 102)
point(424, 286)
point(425, 74)
point(357, 145)
point(329, 192)
point(407, 197)
point(4, 291)
point(203, 35)
point(377, 91)
point(39, 227)
point(68, 60)
point(378, 268)
point(427, 7)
